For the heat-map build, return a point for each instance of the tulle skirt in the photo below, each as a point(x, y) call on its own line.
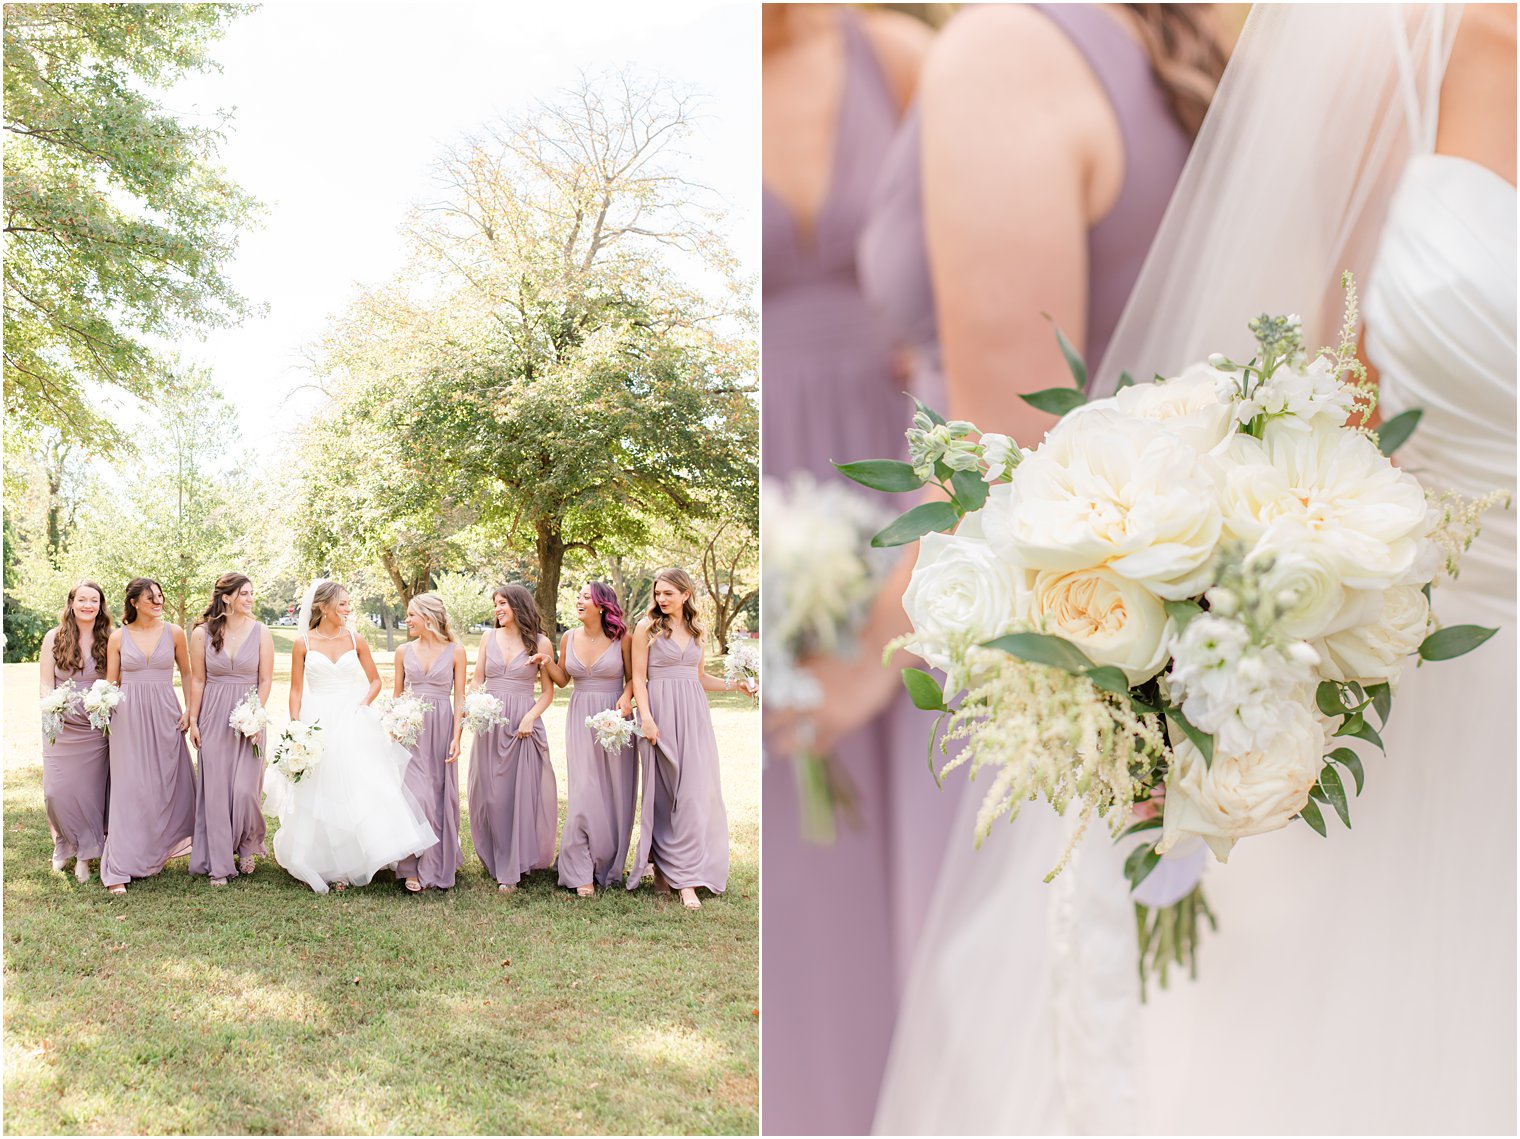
point(351, 814)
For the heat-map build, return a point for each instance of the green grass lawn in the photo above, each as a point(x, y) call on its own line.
point(263, 1007)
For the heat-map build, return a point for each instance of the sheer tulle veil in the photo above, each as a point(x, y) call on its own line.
point(1022, 1008)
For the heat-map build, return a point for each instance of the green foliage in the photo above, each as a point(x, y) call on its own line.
point(1453, 641)
point(1393, 432)
point(925, 518)
point(24, 628)
point(891, 475)
point(118, 220)
point(924, 690)
point(466, 597)
point(1055, 401)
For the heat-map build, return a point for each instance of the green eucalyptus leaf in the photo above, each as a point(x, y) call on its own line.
point(923, 519)
point(1056, 401)
point(1109, 679)
point(1151, 824)
point(891, 475)
point(1074, 360)
point(1041, 648)
point(1351, 762)
point(1328, 697)
point(1453, 641)
point(1138, 866)
point(1330, 781)
point(970, 491)
point(1310, 814)
point(1393, 433)
point(1201, 740)
point(1382, 702)
point(1367, 732)
point(924, 690)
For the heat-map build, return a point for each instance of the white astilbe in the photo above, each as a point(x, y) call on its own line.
point(1052, 735)
point(1458, 523)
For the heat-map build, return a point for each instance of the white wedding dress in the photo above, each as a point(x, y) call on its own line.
point(351, 814)
point(1360, 983)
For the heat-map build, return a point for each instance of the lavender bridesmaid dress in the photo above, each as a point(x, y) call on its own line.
point(431, 779)
point(76, 774)
point(152, 813)
point(683, 826)
point(841, 923)
point(514, 802)
point(229, 820)
point(603, 785)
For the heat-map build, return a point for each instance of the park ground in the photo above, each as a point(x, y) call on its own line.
point(265, 1008)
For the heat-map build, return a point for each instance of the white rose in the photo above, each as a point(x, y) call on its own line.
point(1105, 489)
point(1112, 620)
point(1189, 405)
point(1373, 652)
point(1333, 490)
point(1246, 793)
point(1300, 400)
point(1304, 580)
point(961, 591)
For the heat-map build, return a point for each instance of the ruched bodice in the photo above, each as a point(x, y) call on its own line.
point(604, 676)
point(241, 667)
point(1440, 315)
point(436, 679)
point(513, 677)
point(668, 661)
point(339, 679)
point(154, 667)
point(82, 678)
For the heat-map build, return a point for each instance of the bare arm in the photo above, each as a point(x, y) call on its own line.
point(45, 663)
point(711, 683)
point(480, 659)
point(297, 676)
point(545, 691)
point(461, 667)
point(187, 681)
point(556, 669)
point(113, 656)
point(400, 686)
point(266, 665)
point(198, 685)
point(641, 680)
point(367, 662)
point(625, 701)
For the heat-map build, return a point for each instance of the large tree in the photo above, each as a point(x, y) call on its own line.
point(118, 220)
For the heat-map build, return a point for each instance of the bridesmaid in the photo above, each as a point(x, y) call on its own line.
point(76, 767)
point(433, 666)
point(152, 812)
point(593, 850)
point(513, 798)
point(231, 654)
point(683, 828)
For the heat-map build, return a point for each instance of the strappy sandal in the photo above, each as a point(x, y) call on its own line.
point(503, 888)
point(661, 886)
point(414, 886)
point(585, 891)
point(689, 898)
point(82, 870)
point(218, 881)
point(246, 864)
point(119, 888)
point(340, 886)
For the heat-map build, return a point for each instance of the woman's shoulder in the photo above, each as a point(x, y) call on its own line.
point(901, 44)
point(47, 641)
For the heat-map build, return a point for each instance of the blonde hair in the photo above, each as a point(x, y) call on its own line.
point(431, 606)
point(325, 594)
point(659, 624)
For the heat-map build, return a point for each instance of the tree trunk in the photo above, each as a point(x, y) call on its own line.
point(388, 623)
point(551, 561)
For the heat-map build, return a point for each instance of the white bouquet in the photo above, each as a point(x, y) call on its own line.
point(55, 705)
point(742, 665)
point(819, 575)
point(297, 749)
point(249, 718)
point(612, 731)
point(402, 716)
point(99, 702)
point(1186, 597)
point(482, 711)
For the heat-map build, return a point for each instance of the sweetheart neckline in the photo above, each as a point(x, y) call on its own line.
point(330, 660)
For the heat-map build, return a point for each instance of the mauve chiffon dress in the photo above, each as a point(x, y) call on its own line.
point(514, 803)
point(603, 785)
point(841, 923)
point(683, 825)
point(152, 813)
point(229, 815)
point(431, 779)
point(76, 773)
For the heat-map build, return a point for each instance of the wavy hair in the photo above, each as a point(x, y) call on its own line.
point(1186, 54)
point(215, 616)
point(613, 622)
point(321, 597)
point(67, 656)
point(431, 606)
point(659, 624)
point(135, 589)
point(525, 611)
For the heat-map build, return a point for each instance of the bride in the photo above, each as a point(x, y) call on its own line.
point(351, 814)
point(1364, 982)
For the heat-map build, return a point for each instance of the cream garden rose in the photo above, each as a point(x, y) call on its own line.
point(1106, 489)
point(960, 591)
point(1373, 651)
point(1244, 793)
point(1189, 405)
point(1112, 620)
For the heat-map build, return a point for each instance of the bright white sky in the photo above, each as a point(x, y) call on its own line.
point(340, 109)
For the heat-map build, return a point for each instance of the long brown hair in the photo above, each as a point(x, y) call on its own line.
point(525, 611)
point(66, 654)
point(1187, 55)
point(659, 624)
point(215, 616)
point(135, 589)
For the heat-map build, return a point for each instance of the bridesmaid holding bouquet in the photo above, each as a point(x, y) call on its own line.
point(76, 764)
point(683, 830)
point(231, 657)
point(433, 667)
point(152, 804)
point(513, 798)
point(598, 657)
